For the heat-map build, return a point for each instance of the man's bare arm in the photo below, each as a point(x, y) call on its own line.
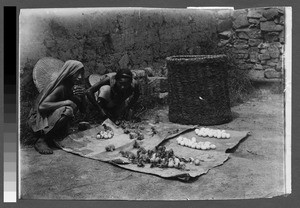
point(90, 92)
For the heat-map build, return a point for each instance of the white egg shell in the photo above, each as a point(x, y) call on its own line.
point(201, 146)
point(98, 136)
point(212, 146)
point(219, 135)
point(227, 135)
point(223, 135)
point(193, 145)
point(193, 139)
point(198, 146)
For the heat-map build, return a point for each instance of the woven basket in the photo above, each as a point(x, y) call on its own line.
point(198, 91)
point(46, 70)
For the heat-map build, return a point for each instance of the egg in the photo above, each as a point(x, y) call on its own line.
point(219, 135)
point(194, 145)
point(223, 135)
point(227, 136)
point(98, 136)
point(212, 146)
point(201, 133)
point(198, 146)
point(193, 139)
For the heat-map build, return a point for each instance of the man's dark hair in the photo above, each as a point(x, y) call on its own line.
point(124, 73)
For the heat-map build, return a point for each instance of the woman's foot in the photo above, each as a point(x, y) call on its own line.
point(42, 147)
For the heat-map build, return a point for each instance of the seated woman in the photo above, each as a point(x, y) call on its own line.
point(115, 95)
point(55, 106)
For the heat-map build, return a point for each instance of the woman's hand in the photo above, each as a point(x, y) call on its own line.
point(78, 90)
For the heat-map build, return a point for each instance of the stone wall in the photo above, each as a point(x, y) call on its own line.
point(257, 39)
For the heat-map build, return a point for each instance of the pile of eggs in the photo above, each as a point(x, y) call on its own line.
point(105, 135)
point(207, 132)
point(193, 144)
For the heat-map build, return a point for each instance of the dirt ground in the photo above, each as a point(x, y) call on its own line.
point(255, 169)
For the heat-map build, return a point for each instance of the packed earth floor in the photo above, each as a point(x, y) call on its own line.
point(255, 168)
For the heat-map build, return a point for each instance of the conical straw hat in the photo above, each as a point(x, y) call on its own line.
point(46, 70)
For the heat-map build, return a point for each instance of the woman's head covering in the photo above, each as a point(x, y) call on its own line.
point(68, 69)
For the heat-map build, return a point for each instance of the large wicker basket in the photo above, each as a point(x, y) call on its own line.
point(198, 91)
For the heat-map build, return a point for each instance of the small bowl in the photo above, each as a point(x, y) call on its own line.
point(83, 126)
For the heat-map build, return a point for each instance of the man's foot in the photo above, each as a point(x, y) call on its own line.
point(42, 147)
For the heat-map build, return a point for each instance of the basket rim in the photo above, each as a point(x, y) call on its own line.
point(198, 58)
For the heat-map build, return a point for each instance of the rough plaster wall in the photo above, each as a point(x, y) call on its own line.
point(107, 39)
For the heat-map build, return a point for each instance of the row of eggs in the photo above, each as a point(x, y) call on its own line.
point(207, 132)
point(195, 145)
point(104, 135)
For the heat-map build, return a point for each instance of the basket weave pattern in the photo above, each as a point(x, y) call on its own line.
point(198, 91)
point(45, 71)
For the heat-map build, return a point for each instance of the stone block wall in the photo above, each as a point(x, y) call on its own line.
point(257, 39)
